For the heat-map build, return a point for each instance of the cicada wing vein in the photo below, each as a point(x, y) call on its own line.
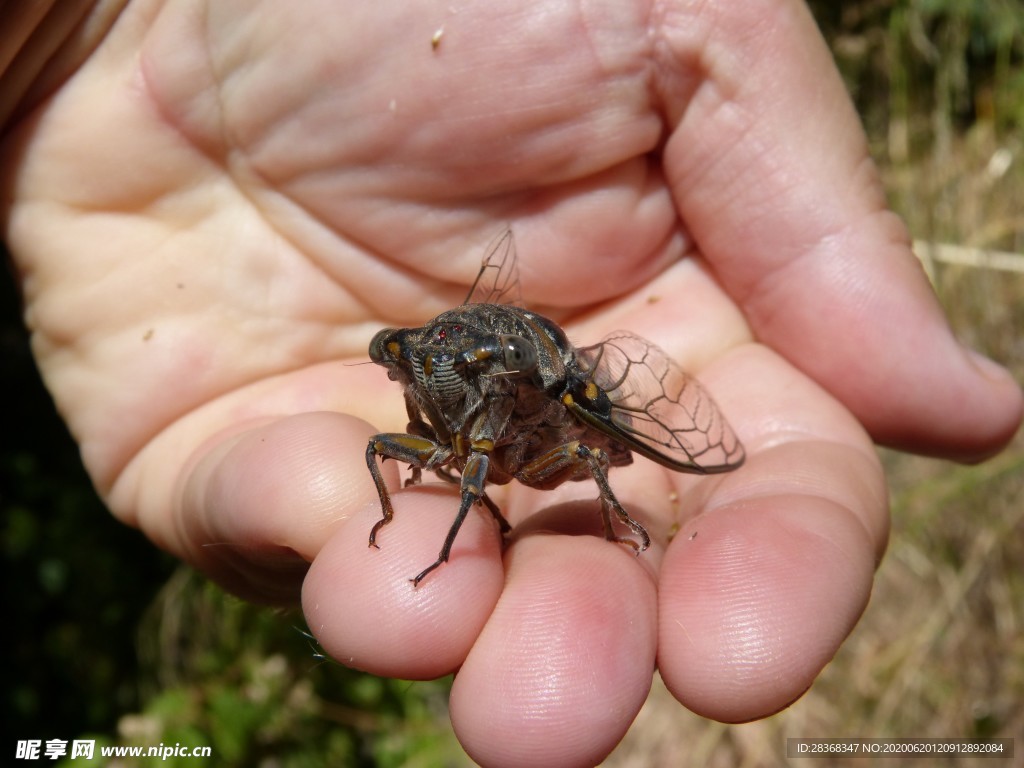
point(656, 409)
point(498, 279)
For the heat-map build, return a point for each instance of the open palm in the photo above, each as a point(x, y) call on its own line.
point(221, 206)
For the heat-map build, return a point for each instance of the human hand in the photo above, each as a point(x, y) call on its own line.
point(218, 210)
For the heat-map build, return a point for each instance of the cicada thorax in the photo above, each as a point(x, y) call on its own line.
point(488, 368)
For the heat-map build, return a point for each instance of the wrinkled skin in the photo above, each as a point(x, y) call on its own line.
point(214, 205)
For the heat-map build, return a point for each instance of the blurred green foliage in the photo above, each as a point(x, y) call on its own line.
point(250, 683)
point(921, 70)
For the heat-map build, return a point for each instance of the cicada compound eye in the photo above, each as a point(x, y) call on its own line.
point(520, 355)
point(380, 351)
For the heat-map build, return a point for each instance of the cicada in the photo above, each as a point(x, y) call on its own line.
point(495, 392)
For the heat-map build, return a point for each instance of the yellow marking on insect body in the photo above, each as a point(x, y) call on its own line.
point(428, 366)
point(484, 445)
point(395, 348)
point(592, 392)
point(409, 441)
point(567, 400)
point(553, 459)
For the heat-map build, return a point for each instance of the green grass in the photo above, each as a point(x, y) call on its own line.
point(251, 684)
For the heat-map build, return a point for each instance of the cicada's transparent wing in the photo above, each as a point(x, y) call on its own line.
point(498, 279)
point(653, 407)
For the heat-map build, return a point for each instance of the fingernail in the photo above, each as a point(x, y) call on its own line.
point(989, 369)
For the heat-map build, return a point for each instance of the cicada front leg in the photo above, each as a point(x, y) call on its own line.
point(474, 475)
point(417, 451)
point(569, 461)
point(446, 474)
point(424, 453)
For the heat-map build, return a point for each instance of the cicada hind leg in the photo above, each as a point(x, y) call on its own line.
point(597, 461)
point(567, 461)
